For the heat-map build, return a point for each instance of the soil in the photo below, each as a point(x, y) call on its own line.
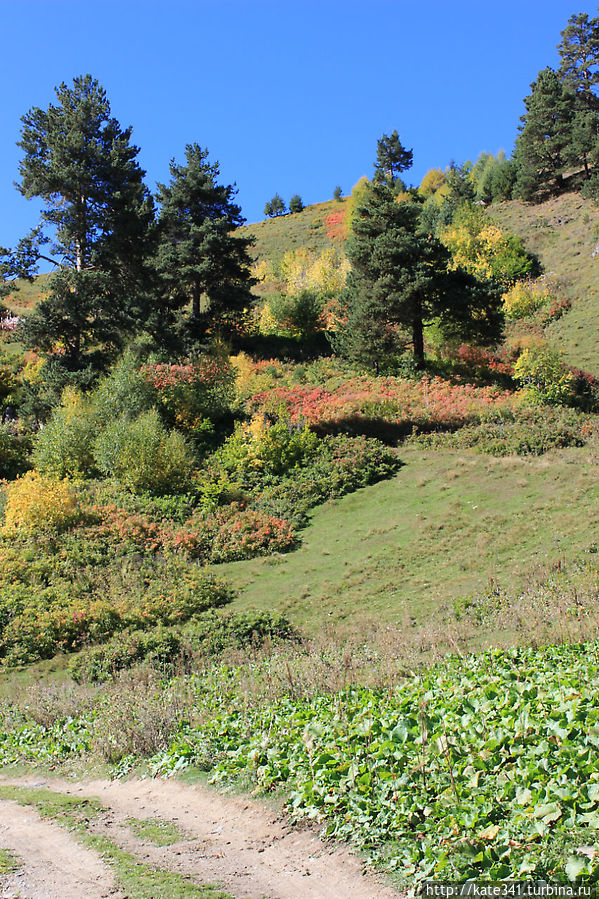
point(244, 846)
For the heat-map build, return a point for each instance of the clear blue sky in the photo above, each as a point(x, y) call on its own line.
point(287, 96)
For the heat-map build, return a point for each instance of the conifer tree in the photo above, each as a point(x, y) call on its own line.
point(295, 203)
point(579, 54)
point(81, 164)
point(276, 206)
point(391, 159)
point(579, 69)
point(544, 148)
point(200, 260)
point(400, 281)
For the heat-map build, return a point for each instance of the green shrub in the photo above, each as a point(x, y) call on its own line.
point(256, 450)
point(125, 392)
point(544, 375)
point(161, 647)
point(63, 601)
point(64, 447)
point(296, 315)
point(170, 649)
point(527, 432)
point(341, 465)
point(142, 455)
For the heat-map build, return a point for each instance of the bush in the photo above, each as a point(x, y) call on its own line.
point(65, 445)
point(169, 650)
point(341, 465)
point(231, 533)
point(522, 300)
point(295, 315)
point(545, 376)
point(191, 394)
point(125, 392)
point(143, 455)
point(162, 648)
point(47, 607)
point(258, 449)
point(35, 503)
point(526, 432)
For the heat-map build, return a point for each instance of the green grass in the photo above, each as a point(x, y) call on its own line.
point(563, 233)
point(156, 830)
point(440, 530)
point(9, 862)
point(138, 880)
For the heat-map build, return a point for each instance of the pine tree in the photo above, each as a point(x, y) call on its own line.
point(200, 260)
point(400, 281)
point(579, 54)
point(80, 162)
point(579, 69)
point(296, 203)
point(391, 159)
point(544, 148)
point(276, 206)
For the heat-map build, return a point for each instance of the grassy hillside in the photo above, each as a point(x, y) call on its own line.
point(564, 233)
point(276, 235)
point(27, 295)
point(442, 529)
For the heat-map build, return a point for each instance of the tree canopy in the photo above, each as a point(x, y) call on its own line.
point(200, 259)
point(97, 220)
point(391, 159)
point(401, 280)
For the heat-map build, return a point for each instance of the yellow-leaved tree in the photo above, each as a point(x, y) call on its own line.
point(482, 248)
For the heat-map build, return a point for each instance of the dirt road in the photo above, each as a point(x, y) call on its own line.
point(241, 845)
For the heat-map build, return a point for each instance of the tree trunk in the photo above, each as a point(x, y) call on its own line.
point(418, 343)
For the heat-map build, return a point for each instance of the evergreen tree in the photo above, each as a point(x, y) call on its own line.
point(400, 281)
point(200, 260)
point(579, 69)
point(391, 159)
point(81, 164)
point(337, 193)
point(579, 54)
point(544, 146)
point(276, 206)
point(295, 203)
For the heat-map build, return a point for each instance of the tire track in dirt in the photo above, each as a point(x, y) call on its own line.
point(240, 844)
point(55, 865)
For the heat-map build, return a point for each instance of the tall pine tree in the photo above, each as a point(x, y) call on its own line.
point(200, 260)
point(81, 164)
point(579, 55)
point(391, 160)
point(544, 148)
point(579, 69)
point(400, 281)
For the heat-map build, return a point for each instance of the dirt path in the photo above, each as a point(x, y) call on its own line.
point(55, 866)
point(242, 845)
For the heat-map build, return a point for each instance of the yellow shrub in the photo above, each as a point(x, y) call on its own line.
point(523, 300)
point(38, 503)
point(329, 272)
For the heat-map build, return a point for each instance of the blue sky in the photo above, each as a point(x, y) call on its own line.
point(288, 96)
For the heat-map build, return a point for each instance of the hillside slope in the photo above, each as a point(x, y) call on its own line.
point(445, 527)
point(274, 236)
point(564, 233)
